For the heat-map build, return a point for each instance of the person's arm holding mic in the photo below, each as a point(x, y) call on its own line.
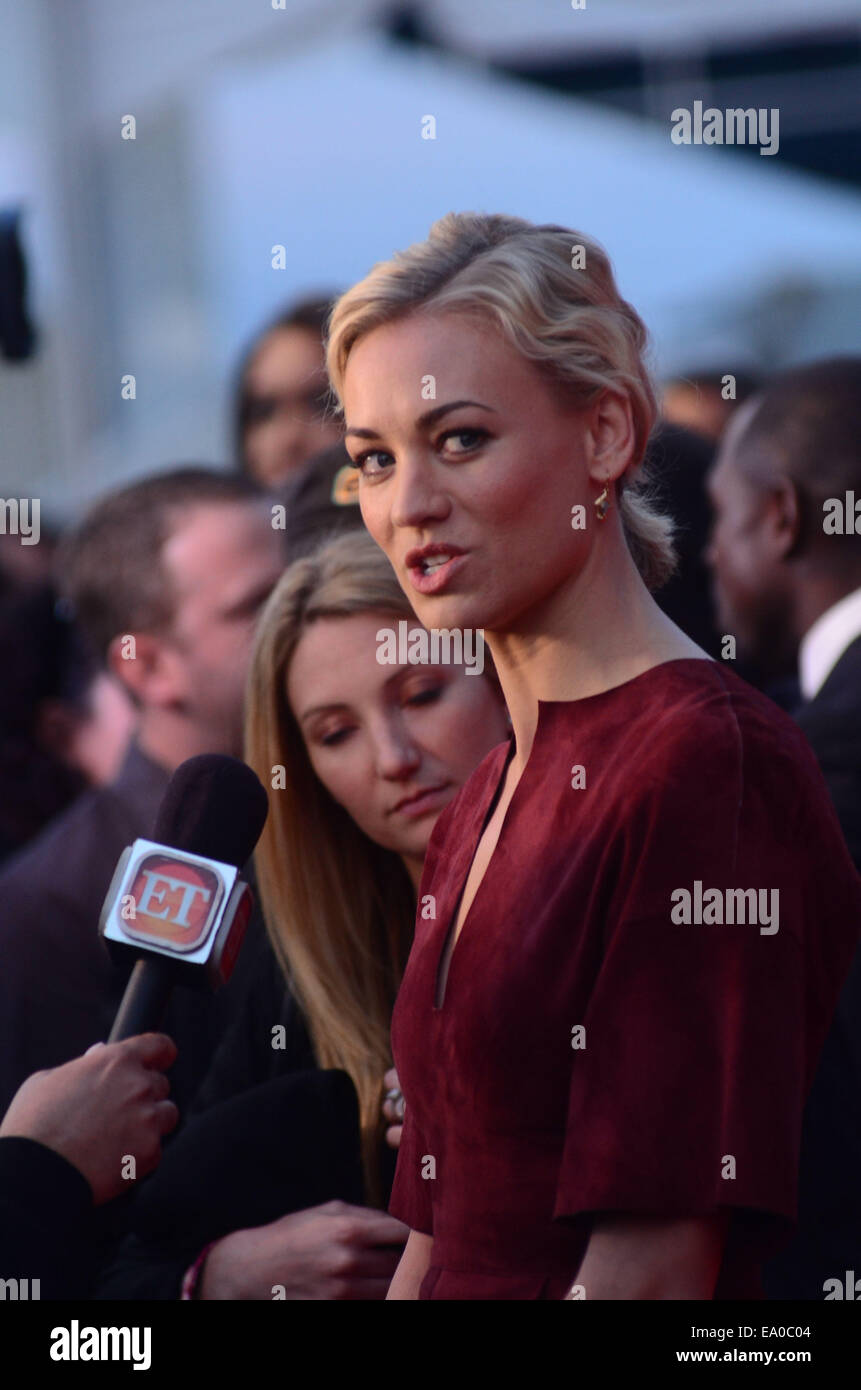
point(81, 1133)
point(66, 1142)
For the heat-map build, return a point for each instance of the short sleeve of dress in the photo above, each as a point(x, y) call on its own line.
point(410, 1201)
point(686, 1095)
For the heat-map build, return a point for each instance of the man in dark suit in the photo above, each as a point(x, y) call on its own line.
point(786, 558)
point(166, 577)
point(831, 719)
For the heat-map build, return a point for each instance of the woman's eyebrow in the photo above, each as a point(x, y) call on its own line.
point(430, 417)
point(322, 709)
point(407, 668)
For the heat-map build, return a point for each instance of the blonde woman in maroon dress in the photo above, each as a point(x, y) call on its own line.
point(608, 1023)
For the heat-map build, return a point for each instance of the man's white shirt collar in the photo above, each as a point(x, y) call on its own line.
point(825, 642)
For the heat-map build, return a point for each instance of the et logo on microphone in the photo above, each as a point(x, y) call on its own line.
point(174, 902)
point(180, 906)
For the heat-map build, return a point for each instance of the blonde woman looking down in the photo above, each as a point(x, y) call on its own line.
point(360, 757)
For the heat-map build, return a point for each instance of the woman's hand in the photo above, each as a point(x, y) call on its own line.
point(335, 1251)
point(393, 1108)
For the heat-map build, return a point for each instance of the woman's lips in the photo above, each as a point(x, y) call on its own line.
point(425, 801)
point(434, 580)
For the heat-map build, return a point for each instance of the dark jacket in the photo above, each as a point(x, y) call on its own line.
point(270, 1134)
point(46, 1222)
point(283, 1146)
point(828, 1241)
point(832, 723)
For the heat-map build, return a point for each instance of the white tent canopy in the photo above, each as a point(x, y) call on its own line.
point(135, 50)
point(324, 155)
point(501, 28)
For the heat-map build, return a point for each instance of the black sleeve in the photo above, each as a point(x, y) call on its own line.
point(46, 1211)
point(828, 1237)
point(284, 1146)
point(832, 732)
point(267, 1038)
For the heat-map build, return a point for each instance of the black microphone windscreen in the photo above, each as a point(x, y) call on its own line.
point(214, 806)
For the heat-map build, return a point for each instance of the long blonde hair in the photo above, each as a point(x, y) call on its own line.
point(339, 909)
point(571, 322)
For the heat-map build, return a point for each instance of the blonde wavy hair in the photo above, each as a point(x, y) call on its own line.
point(571, 323)
point(339, 909)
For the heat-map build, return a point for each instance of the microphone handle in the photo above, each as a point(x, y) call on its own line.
point(145, 1001)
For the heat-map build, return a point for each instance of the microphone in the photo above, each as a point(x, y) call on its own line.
point(177, 902)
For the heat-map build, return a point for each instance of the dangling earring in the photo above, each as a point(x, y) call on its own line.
point(602, 503)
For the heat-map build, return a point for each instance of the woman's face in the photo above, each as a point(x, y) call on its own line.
point(472, 503)
point(285, 387)
point(392, 744)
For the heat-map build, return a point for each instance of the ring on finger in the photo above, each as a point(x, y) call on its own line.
point(396, 1100)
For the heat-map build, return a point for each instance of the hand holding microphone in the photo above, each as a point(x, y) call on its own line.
point(179, 906)
point(99, 1109)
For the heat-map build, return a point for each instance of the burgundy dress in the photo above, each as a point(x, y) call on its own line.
point(592, 1054)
